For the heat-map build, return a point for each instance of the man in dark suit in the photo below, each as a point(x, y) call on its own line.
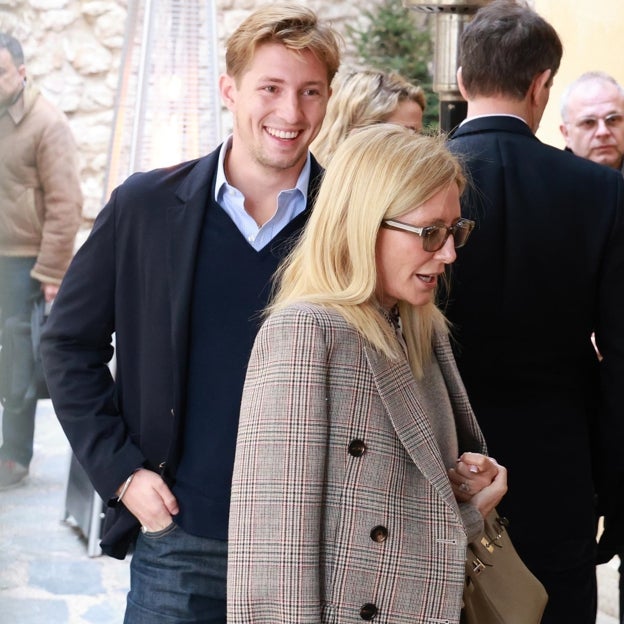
point(543, 272)
point(179, 265)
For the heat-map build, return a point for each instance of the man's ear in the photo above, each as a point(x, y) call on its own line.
point(541, 82)
point(564, 132)
point(460, 84)
point(227, 89)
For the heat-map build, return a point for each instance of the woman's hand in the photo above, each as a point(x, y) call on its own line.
point(480, 480)
point(490, 496)
point(472, 473)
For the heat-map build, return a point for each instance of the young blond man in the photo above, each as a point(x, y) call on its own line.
point(179, 265)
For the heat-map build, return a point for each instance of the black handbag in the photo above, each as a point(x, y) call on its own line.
point(21, 370)
point(499, 588)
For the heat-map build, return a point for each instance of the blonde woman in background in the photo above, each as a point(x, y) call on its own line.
point(363, 98)
point(360, 470)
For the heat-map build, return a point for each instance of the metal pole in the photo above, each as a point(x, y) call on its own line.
point(451, 16)
point(142, 84)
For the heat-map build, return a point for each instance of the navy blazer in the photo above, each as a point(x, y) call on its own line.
point(543, 270)
point(133, 277)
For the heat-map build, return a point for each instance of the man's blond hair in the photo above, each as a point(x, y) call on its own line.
point(290, 24)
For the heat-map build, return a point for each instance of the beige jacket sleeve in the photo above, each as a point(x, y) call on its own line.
point(57, 165)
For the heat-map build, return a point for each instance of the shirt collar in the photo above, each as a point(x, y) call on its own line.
point(17, 107)
point(492, 115)
point(221, 181)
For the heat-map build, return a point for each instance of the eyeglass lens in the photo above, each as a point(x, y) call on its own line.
point(436, 236)
point(591, 123)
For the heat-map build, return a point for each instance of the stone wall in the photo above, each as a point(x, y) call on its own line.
point(73, 50)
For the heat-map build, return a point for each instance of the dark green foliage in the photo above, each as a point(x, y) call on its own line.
point(399, 39)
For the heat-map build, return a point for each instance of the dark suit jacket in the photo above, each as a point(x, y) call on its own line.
point(133, 277)
point(543, 270)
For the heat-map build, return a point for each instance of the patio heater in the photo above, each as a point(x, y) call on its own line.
point(168, 108)
point(451, 16)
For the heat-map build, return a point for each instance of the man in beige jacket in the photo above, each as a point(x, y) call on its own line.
point(40, 211)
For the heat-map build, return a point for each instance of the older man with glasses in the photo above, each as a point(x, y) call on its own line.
point(592, 113)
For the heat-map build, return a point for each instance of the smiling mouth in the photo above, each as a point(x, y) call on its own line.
point(428, 279)
point(283, 134)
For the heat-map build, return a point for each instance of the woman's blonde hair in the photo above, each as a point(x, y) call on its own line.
point(361, 98)
point(379, 172)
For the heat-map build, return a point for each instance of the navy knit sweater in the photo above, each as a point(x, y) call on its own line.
point(231, 287)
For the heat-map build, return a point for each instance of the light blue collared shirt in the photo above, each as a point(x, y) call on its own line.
point(290, 203)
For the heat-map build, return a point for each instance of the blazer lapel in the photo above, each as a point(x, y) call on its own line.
point(397, 389)
point(316, 177)
point(469, 436)
point(185, 221)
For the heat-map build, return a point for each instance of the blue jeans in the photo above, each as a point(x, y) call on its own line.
point(17, 292)
point(177, 578)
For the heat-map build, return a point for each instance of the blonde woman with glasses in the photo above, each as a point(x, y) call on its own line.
point(360, 470)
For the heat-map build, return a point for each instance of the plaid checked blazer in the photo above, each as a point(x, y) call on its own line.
point(341, 507)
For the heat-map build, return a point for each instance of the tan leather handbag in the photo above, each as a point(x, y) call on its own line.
point(499, 588)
